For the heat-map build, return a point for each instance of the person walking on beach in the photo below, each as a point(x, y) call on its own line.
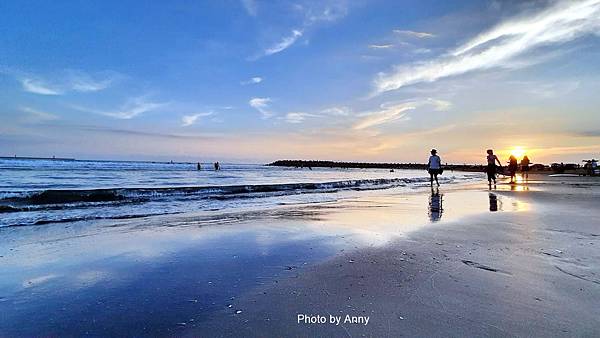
point(525, 167)
point(491, 166)
point(512, 168)
point(434, 167)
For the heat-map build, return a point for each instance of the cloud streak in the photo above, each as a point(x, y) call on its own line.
point(189, 120)
point(419, 35)
point(254, 80)
point(397, 112)
point(36, 115)
point(284, 44)
point(130, 109)
point(502, 46)
point(69, 81)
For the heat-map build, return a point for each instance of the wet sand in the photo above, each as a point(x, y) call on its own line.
point(521, 260)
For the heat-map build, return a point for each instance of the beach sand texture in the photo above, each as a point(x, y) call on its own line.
point(517, 261)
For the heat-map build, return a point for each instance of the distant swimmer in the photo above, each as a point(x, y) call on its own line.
point(198, 166)
point(491, 166)
point(434, 167)
point(512, 168)
point(217, 166)
point(525, 162)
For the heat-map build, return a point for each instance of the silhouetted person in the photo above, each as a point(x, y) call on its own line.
point(525, 167)
point(435, 205)
point(217, 166)
point(512, 167)
point(434, 167)
point(491, 166)
point(198, 166)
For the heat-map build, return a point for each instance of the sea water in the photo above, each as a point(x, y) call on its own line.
point(34, 192)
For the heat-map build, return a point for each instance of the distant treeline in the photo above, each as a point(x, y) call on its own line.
point(365, 165)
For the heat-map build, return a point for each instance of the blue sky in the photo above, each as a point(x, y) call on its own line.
point(258, 80)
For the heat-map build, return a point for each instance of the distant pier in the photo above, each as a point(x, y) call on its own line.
point(370, 165)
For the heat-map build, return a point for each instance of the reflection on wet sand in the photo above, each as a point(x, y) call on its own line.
point(493, 202)
point(435, 205)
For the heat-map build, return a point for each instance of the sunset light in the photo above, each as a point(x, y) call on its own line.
point(518, 152)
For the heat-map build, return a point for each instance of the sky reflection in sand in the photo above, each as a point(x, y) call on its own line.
point(96, 270)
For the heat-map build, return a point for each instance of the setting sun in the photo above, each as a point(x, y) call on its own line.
point(518, 152)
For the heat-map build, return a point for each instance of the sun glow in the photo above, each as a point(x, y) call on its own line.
point(518, 152)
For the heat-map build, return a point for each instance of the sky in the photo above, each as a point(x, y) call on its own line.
point(255, 81)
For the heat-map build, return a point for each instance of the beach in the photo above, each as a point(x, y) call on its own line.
point(520, 260)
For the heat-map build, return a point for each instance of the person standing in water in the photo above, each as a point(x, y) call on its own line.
point(198, 166)
point(434, 167)
point(525, 167)
point(491, 166)
point(512, 168)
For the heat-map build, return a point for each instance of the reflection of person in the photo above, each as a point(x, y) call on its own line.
point(525, 167)
point(491, 166)
point(435, 205)
point(434, 166)
point(512, 167)
point(493, 202)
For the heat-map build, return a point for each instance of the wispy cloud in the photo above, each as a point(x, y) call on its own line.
point(392, 112)
point(251, 7)
point(337, 111)
point(130, 109)
point(67, 81)
point(254, 80)
point(285, 43)
point(36, 86)
point(502, 46)
point(313, 13)
point(419, 35)
point(383, 116)
point(386, 46)
point(35, 115)
point(297, 117)
point(189, 120)
point(262, 105)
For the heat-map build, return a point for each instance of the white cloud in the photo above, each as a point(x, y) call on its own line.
point(502, 46)
point(254, 80)
point(262, 105)
point(336, 111)
point(285, 43)
point(296, 117)
point(392, 112)
point(189, 120)
point(386, 46)
point(130, 109)
point(420, 35)
point(68, 81)
point(250, 6)
point(38, 115)
point(82, 82)
point(39, 87)
point(383, 116)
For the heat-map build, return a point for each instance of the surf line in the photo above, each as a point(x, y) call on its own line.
point(336, 320)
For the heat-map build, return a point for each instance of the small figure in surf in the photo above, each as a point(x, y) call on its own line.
point(434, 167)
point(491, 166)
point(525, 162)
point(512, 168)
point(217, 166)
point(198, 166)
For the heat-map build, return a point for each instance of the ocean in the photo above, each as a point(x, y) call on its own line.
point(36, 192)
